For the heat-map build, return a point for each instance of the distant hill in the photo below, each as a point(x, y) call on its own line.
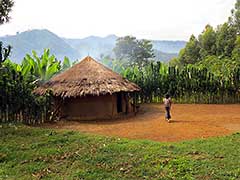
point(169, 46)
point(164, 57)
point(97, 47)
point(38, 40)
point(93, 45)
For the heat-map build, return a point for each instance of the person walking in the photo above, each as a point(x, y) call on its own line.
point(167, 104)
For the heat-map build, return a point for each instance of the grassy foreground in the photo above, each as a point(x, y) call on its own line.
point(35, 153)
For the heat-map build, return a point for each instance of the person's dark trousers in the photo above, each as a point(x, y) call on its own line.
point(168, 116)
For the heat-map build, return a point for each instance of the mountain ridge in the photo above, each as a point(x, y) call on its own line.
point(37, 40)
point(77, 48)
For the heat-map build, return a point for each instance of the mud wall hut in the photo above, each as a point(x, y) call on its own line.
point(89, 90)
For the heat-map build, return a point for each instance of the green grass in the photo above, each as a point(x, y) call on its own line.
point(35, 153)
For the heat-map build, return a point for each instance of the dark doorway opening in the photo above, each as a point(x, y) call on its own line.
point(119, 102)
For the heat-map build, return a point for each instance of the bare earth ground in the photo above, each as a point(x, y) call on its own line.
point(188, 122)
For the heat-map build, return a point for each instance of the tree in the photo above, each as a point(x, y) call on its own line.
point(235, 18)
point(137, 51)
point(4, 53)
point(225, 40)
point(125, 47)
point(5, 9)
point(145, 51)
point(191, 53)
point(207, 41)
point(236, 50)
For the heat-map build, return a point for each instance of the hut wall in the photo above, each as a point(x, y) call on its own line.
point(92, 107)
point(95, 107)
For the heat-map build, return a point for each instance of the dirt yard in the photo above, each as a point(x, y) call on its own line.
point(188, 122)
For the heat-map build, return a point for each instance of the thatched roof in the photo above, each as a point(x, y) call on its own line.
point(88, 77)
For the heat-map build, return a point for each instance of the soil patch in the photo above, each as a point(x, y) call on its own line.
point(188, 122)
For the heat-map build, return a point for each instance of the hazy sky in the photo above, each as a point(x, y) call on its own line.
point(150, 19)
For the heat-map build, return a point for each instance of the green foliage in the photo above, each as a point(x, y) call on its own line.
point(66, 64)
point(4, 53)
point(125, 47)
point(42, 68)
point(5, 9)
point(17, 82)
point(207, 42)
point(226, 37)
point(175, 62)
point(235, 19)
point(17, 102)
point(222, 42)
point(133, 50)
point(211, 81)
point(191, 53)
point(36, 153)
point(209, 66)
point(115, 64)
point(236, 50)
point(145, 51)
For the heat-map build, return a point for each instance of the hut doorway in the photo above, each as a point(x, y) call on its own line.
point(119, 102)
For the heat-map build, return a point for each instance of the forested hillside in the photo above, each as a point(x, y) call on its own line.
point(38, 40)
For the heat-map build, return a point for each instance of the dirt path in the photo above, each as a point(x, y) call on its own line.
point(189, 122)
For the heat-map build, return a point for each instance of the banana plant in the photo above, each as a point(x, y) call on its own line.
point(66, 64)
point(40, 68)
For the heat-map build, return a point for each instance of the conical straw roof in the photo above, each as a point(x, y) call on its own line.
point(88, 77)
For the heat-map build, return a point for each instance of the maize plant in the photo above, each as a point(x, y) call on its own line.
point(190, 84)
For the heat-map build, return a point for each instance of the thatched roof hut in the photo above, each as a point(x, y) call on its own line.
point(90, 85)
